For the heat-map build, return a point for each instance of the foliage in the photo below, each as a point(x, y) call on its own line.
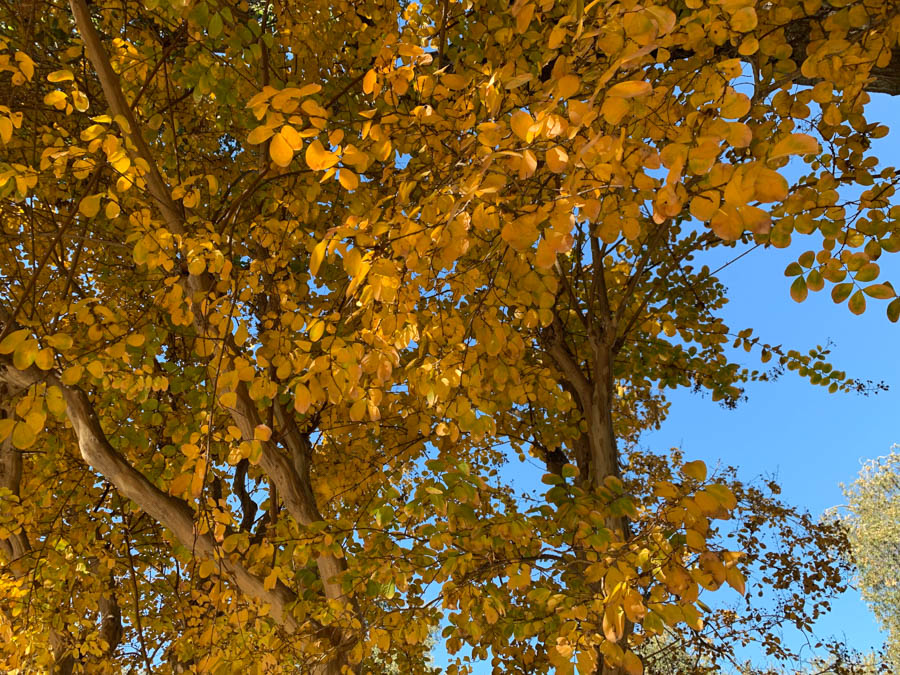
point(872, 519)
point(287, 288)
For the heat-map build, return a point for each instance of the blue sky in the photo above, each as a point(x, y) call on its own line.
point(809, 439)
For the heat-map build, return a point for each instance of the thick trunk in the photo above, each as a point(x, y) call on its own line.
point(171, 512)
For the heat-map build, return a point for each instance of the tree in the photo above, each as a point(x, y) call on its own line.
point(284, 286)
point(873, 520)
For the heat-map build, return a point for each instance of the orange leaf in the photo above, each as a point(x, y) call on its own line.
point(521, 123)
point(631, 89)
point(795, 144)
point(557, 159)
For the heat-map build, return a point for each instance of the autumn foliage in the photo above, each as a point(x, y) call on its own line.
point(291, 290)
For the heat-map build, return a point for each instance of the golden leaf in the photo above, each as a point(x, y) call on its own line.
point(557, 159)
point(630, 89)
point(521, 123)
point(60, 76)
point(259, 135)
point(89, 206)
point(695, 470)
point(280, 150)
point(795, 144)
point(318, 158)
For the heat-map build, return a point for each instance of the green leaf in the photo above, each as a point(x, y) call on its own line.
point(215, 25)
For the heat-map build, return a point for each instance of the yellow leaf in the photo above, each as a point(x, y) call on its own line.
point(90, 206)
point(262, 433)
point(587, 662)
point(260, 134)
point(631, 89)
point(348, 179)
point(695, 540)
point(614, 109)
point(795, 144)
point(302, 399)
point(695, 470)
point(292, 136)
point(72, 375)
point(55, 402)
point(25, 354)
point(613, 623)
point(60, 76)
point(770, 186)
point(228, 399)
point(6, 129)
point(735, 579)
point(231, 542)
point(95, 368)
point(568, 86)
point(318, 158)
point(557, 159)
point(754, 219)
point(736, 105)
point(196, 266)
point(23, 436)
point(705, 205)
point(198, 478)
point(13, 340)
point(727, 224)
point(206, 568)
point(368, 82)
point(55, 98)
point(316, 257)
point(632, 664)
point(44, 359)
point(92, 132)
point(527, 164)
point(520, 233)
point(316, 330)
point(26, 65)
point(280, 150)
point(6, 427)
point(358, 410)
point(744, 20)
point(523, 18)
point(634, 606)
point(521, 123)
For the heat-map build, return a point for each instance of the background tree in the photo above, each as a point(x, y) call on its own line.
point(284, 286)
point(873, 521)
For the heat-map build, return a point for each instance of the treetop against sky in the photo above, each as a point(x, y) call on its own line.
point(286, 286)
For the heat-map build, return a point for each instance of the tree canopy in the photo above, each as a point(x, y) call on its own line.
point(288, 289)
point(873, 520)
